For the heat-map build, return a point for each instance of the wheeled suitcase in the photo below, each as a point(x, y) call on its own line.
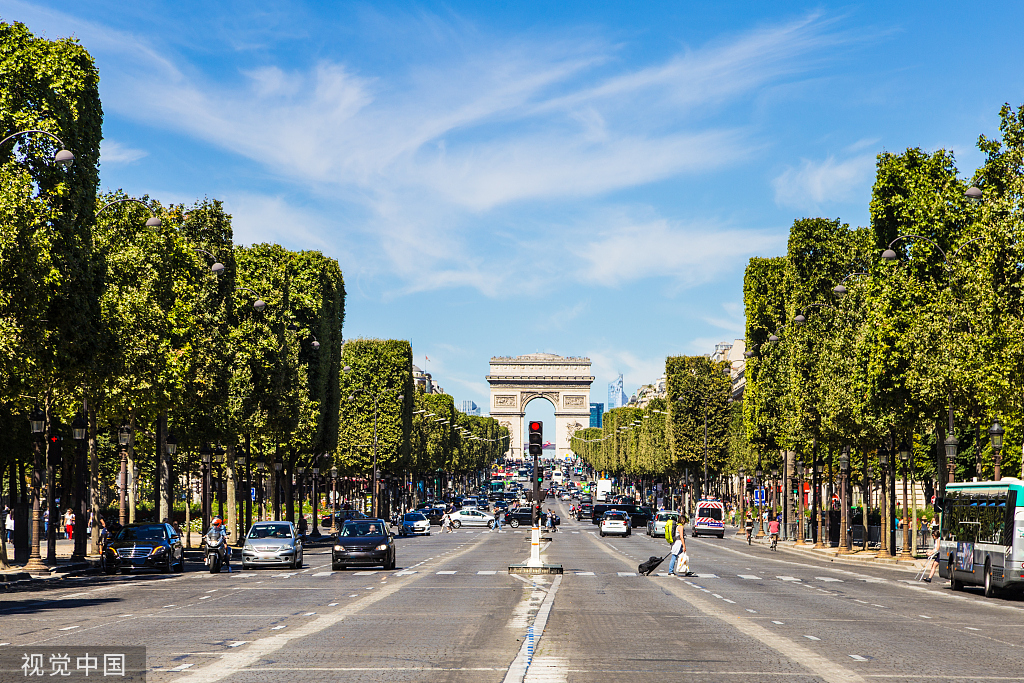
point(645, 568)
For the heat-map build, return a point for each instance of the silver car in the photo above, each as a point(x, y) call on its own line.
point(414, 523)
point(656, 526)
point(272, 543)
point(471, 517)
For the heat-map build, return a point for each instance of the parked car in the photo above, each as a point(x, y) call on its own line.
point(273, 543)
point(144, 546)
point(472, 517)
point(364, 543)
point(615, 522)
point(656, 526)
point(413, 524)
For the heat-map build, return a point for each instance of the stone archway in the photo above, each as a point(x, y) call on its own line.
point(564, 381)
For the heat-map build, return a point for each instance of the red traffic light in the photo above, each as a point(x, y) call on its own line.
point(535, 426)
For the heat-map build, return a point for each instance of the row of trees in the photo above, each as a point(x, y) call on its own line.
point(137, 316)
point(666, 438)
point(906, 331)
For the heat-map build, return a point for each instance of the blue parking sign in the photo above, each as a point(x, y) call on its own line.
point(759, 496)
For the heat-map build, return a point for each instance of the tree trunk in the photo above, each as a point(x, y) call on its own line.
point(133, 489)
point(166, 495)
point(94, 482)
point(289, 492)
point(232, 494)
point(940, 457)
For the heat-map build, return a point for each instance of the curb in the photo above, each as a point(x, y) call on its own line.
point(830, 555)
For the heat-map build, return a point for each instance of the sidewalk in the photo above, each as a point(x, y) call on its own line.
point(860, 557)
point(64, 566)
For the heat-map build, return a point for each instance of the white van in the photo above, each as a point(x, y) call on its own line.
point(709, 518)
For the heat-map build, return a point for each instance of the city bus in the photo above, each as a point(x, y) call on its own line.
point(982, 534)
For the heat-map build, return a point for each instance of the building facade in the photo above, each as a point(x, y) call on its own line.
point(469, 408)
point(616, 395)
point(597, 415)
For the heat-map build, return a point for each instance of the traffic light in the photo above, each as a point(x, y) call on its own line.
point(536, 438)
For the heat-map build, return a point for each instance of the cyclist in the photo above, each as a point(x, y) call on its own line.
point(773, 531)
point(750, 528)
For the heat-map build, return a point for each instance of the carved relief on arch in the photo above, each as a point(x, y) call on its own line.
point(528, 396)
point(574, 401)
point(571, 429)
point(504, 401)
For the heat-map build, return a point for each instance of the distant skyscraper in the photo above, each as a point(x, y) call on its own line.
point(596, 414)
point(616, 396)
point(470, 408)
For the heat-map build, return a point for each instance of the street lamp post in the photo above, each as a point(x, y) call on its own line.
point(905, 460)
point(78, 431)
point(299, 478)
point(334, 500)
point(819, 512)
point(316, 501)
point(758, 475)
point(886, 531)
point(277, 489)
point(205, 454)
point(37, 421)
point(801, 529)
point(844, 517)
point(951, 444)
point(743, 501)
point(124, 437)
point(245, 488)
point(995, 434)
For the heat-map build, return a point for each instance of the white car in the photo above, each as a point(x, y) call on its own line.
point(471, 517)
point(566, 496)
point(656, 527)
point(615, 522)
point(414, 523)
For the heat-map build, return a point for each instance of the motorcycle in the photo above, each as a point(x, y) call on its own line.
point(216, 551)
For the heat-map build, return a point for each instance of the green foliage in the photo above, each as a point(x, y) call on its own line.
point(698, 388)
point(765, 297)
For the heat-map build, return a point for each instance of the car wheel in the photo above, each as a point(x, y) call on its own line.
point(298, 562)
point(166, 569)
point(456, 523)
point(722, 535)
point(392, 563)
point(490, 524)
point(126, 570)
point(336, 567)
point(954, 583)
point(428, 532)
point(990, 590)
point(246, 566)
point(514, 524)
point(602, 534)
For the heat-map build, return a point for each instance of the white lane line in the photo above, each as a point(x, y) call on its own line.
point(323, 574)
point(731, 602)
point(718, 596)
point(749, 577)
point(520, 666)
point(924, 616)
point(858, 658)
point(882, 606)
point(585, 574)
point(787, 578)
point(181, 667)
point(446, 573)
point(363, 573)
point(354, 595)
point(213, 590)
point(166, 606)
point(278, 628)
point(627, 573)
point(405, 572)
point(68, 628)
point(73, 595)
point(332, 604)
point(206, 597)
point(779, 623)
point(969, 628)
point(829, 579)
point(237, 643)
point(309, 614)
point(707, 576)
point(487, 573)
point(863, 602)
point(752, 611)
point(812, 637)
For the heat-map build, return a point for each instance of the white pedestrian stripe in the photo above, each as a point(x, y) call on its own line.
point(707, 576)
point(787, 578)
point(812, 638)
point(447, 572)
point(779, 623)
point(858, 658)
point(181, 667)
point(487, 573)
point(828, 579)
point(237, 643)
point(68, 628)
point(332, 604)
point(278, 628)
point(406, 572)
point(627, 573)
point(750, 577)
point(363, 573)
point(323, 574)
point(585, 574)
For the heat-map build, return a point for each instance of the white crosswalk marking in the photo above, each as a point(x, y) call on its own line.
point(406, 572)
point(323, 574)
point(487, 573)
point(829, 579)
point(182, 667)
point(627, 573)
point(787, 578)
point(585, 574)
point(364, 573)
point(447, 573)
point(707, 576)
point(749, 577)
point(858, 658)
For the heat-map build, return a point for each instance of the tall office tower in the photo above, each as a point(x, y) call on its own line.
point(616, 396)
point(596, 414)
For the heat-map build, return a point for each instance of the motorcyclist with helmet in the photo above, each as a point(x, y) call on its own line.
point(218, 533)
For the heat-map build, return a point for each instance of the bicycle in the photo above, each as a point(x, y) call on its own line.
point(775, 542)
point(750, 536)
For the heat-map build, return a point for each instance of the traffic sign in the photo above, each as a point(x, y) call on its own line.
point(759, 496)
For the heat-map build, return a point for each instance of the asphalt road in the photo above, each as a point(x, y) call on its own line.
point(451, 612)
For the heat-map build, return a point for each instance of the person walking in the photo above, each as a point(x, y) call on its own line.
point(675, 534)
point(446, 522)
point(773, 532)
point(497, 520)
point(933, 558)
point(69, 524)
point(9, 525)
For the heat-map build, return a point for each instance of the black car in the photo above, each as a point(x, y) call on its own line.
point(639, 515)
point(144, 546)
point(364, 543)
point(433, 514)
point(524, 517)
point(341, 516)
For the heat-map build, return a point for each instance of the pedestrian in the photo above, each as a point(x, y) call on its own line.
point(9, 525)
point(302, 525)
point(177, 529)
point(933, 558)
point(104, 532)
point(69, 523)
point(549, 521)
point(446, 522)
point(497, 520)
point(46, 521)
point(674, 537)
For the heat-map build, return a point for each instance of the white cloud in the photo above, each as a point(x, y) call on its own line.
point(814, 184)
point(636, 371)
point(113, 152)
point(734, 322)
point(688, 254)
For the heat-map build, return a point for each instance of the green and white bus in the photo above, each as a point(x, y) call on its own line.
point(982, 534)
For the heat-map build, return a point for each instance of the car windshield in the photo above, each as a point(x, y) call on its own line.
point(665, 516)
point(414, 517)
point(150, 532)
point(362, 529)
point(618, 516)
point(270, 531)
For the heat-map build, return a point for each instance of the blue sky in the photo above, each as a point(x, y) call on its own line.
point(503, 178)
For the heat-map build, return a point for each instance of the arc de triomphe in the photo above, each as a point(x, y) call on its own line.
point(565, 382)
